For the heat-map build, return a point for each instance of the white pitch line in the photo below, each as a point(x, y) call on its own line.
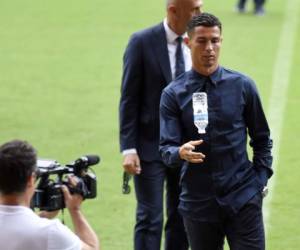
point(280, 84)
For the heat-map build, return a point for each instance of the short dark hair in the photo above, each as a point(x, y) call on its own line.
point(17, 163)
point(203, 19)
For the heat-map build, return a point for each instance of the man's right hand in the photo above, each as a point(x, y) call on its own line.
point(131, 164)
point(186, 152)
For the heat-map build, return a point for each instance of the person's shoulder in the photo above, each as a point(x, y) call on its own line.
point(178, 84)
point(37, 222)
point(26, 214)
point(61, 237)
point(147, 31)
point(236, 75)
point(140, 39)
point(239, 80)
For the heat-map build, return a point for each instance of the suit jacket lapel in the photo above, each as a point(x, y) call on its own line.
point(161, 51)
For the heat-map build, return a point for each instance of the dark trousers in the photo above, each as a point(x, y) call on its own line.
point(258, 4)
point(149, 188)
point(244, 231)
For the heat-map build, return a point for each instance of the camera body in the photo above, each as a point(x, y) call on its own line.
point(51, 176)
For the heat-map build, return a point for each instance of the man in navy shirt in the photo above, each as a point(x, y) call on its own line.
point(222, 189)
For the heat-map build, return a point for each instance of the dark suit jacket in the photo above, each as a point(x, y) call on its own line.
point(146, 71)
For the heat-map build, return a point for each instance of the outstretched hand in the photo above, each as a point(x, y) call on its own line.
point(186, 152)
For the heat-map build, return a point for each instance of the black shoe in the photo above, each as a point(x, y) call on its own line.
point(240, 9)
point(259, 12)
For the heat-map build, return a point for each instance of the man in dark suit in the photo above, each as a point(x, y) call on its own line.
point(153, 58)
point(205, 115)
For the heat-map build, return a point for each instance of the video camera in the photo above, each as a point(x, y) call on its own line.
point(48, 194)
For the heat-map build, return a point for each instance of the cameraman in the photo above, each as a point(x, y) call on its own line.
point(20, 227)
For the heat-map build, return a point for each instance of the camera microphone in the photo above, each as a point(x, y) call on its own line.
point(88, 160)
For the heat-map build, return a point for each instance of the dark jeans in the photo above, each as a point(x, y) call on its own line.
point(244, 231)
point(149, 187)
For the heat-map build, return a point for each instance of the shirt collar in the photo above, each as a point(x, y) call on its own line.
point(171, 35)
point(215, 77)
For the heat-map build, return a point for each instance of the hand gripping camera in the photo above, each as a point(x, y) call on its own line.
point(51, 176)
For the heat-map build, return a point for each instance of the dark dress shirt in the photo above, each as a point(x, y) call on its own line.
point(226, 178)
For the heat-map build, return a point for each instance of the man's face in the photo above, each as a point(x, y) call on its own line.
point(186, 9)
point(205, 44)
